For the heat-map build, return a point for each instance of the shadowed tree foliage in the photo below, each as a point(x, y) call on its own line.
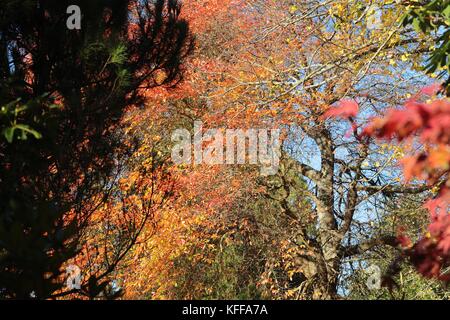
point(62, 95)
point(432, 19)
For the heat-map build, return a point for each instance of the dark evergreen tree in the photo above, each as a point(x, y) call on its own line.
point(62, 94)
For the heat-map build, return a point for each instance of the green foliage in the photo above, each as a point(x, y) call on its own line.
point(13, 113)
point(404, 213)
point(433, 19)
point(227, 276)
point(411, 286)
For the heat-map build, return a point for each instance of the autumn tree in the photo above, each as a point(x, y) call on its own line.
point(204, 214)
point(301, 61)
point(289, 66)
point(320, 71)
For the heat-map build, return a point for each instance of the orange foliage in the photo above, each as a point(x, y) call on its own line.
point(200, 193)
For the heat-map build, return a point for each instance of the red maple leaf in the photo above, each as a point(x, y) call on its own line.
point(432, 89)
point(345, 110)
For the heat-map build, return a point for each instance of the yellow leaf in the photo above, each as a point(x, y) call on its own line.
point(293, 9)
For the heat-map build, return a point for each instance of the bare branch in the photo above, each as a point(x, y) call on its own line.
point(367, 245)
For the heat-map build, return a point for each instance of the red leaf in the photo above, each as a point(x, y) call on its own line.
point(346, 109)
point(404, 241)
point(432, 89)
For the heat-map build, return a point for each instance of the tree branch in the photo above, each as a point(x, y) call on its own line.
point(365, 246)
point(391, 189)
